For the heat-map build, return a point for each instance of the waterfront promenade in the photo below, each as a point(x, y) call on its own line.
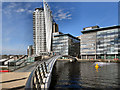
point(14, 80)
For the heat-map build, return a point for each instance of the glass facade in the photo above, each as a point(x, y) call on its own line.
point(88, 44)
point(108, 43)
point(66, 45)
point(103, 43)
point(60, 45)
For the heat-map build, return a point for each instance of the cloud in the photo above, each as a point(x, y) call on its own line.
point(11, 5)
point(62, 15)
point(29, 11)
point(20, 10)
point(28, 5)
point(7, 9)
point(17, 8)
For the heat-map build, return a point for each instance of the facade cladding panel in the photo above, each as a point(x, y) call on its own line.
point(107, 42)
point(65, 44)
point(48, 24)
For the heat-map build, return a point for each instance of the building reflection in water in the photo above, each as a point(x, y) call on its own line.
point(84, 75)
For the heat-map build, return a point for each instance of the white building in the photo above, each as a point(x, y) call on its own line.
point(42, 30)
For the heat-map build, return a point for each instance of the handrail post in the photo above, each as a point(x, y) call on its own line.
point(37, 81)
point(45, 67)
point(43, 71)
point(41, 79)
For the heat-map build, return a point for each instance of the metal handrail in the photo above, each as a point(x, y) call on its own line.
point(23, 63)
point(19, 63)
point(40, 72)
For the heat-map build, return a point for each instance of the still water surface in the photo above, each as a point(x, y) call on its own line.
point(78, 75)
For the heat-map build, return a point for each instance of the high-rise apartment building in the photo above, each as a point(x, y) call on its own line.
point(42, 30)
point(39, 31)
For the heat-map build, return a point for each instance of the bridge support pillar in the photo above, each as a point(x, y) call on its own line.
point(105, 57)
point(81, 56)
point(115, 56)
point(86, 57)
point(95, 56)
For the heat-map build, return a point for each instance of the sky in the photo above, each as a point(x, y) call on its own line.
point(72, 17)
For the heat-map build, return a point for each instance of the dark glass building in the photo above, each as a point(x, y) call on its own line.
point(66, 44)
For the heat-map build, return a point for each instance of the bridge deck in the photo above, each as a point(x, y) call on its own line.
point(14, 79)
point(18, 78)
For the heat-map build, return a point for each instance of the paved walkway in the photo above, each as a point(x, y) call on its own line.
point(30, 67)
point(14, 80)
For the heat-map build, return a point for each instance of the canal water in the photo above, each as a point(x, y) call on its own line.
point(77, 75)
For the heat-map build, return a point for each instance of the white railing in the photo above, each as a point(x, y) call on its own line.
point(40, 77)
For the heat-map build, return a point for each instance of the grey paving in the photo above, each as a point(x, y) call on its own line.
point(30, 67)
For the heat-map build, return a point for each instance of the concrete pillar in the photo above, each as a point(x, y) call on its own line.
point(81, 56)
point(115, 56)
point(86, 57)
point(95, 56)
point(105, 57)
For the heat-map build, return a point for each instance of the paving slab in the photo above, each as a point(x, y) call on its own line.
point(11, 80)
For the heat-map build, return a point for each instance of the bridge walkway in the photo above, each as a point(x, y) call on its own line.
point(18, 78)
point(36, 76)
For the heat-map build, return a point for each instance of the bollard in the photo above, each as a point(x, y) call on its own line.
point(43, 71)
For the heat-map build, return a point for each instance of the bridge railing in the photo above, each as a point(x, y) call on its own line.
point(40, 77)
point(14, 65)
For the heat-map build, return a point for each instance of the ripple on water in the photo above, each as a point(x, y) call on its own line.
point(84, 75)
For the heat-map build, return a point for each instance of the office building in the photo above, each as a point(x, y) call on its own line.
point(42, 30)
point(108, 43)
point(88, 45)
point(101, 43)
point(66, 44)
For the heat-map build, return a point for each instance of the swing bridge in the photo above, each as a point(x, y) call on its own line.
point(39, 77)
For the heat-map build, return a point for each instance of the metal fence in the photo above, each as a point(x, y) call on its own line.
point(12, 66)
